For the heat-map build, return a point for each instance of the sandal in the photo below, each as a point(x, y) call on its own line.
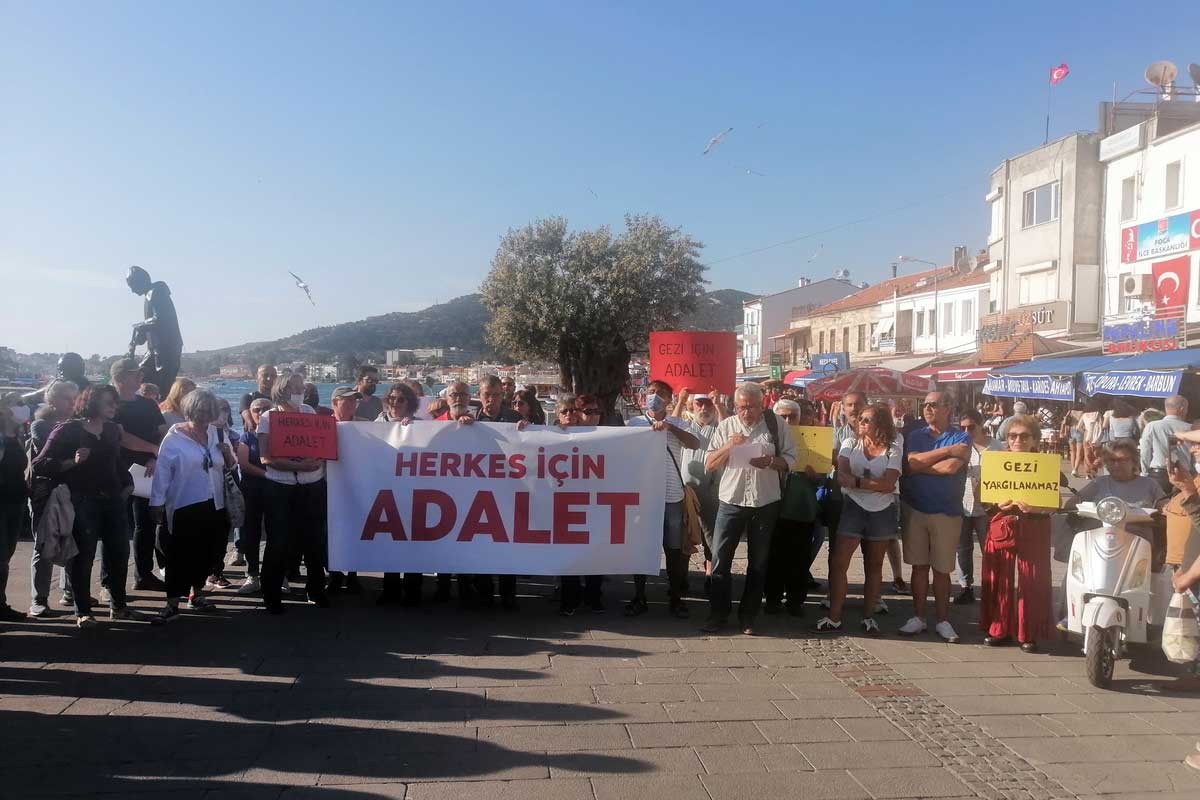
point(826, 625)
point(870, 626)
point(636, 607)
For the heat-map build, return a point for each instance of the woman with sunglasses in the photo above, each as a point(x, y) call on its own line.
point(526, 404)
point(1018, 538)
point(868, 469)
point(188, 496)
point(400, 404)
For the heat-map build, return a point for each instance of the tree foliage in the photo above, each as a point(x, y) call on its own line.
point(587, 299)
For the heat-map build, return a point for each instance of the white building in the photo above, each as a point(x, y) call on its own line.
point(1044, 242)
point(1151, 212)
point(765, 316)
point(945, 318)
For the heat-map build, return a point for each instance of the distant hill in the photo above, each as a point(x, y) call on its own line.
point(458, 323)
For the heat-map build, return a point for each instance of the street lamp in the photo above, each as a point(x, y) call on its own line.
point(937, 349)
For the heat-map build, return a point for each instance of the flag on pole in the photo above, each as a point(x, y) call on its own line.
point(1058, 73)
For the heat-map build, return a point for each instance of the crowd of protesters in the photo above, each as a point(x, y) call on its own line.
point(899, 488)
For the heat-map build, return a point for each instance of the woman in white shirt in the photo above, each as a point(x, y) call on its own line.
point(868, 468)
point(294, 506)
point(188, 494)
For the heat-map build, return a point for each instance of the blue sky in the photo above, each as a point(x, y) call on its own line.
point(380, 150)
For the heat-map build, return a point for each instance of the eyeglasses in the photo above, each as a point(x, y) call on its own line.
point(566, 412)
point(393, 398)
point(788, 417)
point(1019, 436)
point(866, 420)
point(931, 405)
point(745, 408)
point(970, 426)
point(208, 462)
point(458, 394)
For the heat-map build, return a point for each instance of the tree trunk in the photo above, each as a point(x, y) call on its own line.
point(601, 370)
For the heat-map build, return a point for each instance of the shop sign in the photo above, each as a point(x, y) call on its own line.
point(829, 363)
point(1039, 387)
point(1144, 335)
point(1177, 233)
point(1130, 383)
point(997, 332)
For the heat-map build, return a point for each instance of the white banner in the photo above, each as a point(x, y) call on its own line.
point(487, 499)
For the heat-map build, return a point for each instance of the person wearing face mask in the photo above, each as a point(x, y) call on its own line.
point(678, 436)
point(13, 502)
point(749, 494)
point(370, 406)
point(704, 413)
point(225, 435)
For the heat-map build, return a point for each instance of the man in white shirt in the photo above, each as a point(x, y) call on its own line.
point(1156, 445)
point(755, 451)
point(677, 437)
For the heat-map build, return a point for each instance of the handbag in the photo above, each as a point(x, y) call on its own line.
point(693, 537)
point(1181, 633)
point(1002, 533)
point(235, 501)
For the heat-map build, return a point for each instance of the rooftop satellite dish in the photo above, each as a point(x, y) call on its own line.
point(1162, 74)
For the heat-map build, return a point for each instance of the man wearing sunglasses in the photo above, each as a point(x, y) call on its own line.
point(935, 477)
point(975, 519)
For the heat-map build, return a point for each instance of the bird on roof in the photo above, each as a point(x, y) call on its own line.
point(300, 283)
point(716, 140)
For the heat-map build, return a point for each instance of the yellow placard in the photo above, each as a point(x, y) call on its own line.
point(814, 448)
point(1032, 478)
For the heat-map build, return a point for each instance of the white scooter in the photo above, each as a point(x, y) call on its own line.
point(1112, 594)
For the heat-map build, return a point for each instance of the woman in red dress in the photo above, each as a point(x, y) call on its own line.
point(1018, 537)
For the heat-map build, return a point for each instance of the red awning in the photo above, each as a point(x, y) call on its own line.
point(874, 381)
point(962, 375)
point(796, 373)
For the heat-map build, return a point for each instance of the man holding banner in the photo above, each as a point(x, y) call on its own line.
point(756, 451)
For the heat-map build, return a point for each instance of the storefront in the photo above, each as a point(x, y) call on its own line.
point(1042, 378)
point(1160, 374)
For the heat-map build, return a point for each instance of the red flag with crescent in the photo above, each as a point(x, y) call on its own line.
point(1171, 284)
point(1058, 73)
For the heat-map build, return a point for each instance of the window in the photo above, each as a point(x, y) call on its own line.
point(1041, 205)
point(947, 319)
point(997, 232)
point(1174, 186)
point(833, 340)
point(1129, 199)
point(932, 322)
point(920, 323)
point(1037, 287)
point(968, 315)
point(821, 342)
point(846, 338)
point(862, 338)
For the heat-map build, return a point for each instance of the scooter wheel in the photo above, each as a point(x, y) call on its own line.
point(1101, 657)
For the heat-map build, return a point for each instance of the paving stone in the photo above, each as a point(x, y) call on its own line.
point(557, 737)
point(697, 734)
point(560, 789)
point(803, 730)
point(974, 669)
point(1108, 778)
point(1117, 724)
point(1114, 701)
point(695, 660)
point(1024, 684)
point(646, 693)
point(658, 786)
point(846, 755)
point(1187, 722)
point(824, 709)
point(959, 687)
point(899, 782)
point(1103, 749)
point(870, 730)
point(1006, 725)
point(644, 760)
point(727, 692)
point(1012, 704)
point(718, 712)
point(820, 785)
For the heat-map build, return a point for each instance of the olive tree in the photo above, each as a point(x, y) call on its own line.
point(588, 299)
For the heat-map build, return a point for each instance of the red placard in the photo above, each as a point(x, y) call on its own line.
point(296, 435)
point(697, 360)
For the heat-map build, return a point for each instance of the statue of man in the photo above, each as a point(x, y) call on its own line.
point(159, 331)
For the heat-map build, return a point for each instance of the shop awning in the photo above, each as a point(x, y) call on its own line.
point(754, 378)
point(964, 375)
point(1042, 378)
point(1156, 374)
point(800, 377)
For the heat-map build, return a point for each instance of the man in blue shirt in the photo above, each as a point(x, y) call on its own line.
point(935, 474)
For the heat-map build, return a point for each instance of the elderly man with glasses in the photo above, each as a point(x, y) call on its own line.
point(935, 476)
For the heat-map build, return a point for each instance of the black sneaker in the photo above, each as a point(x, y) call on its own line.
point(966, 597)
point(10, 614)
point(150, 584)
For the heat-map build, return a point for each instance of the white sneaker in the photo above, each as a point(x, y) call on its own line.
point(250, 586)
point(160, 573)
point(881, 607)
point(37, 610)
point(946, 631)
point(105, 597)
point(914, 626)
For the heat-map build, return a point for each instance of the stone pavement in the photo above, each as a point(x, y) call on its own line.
point(357, 702)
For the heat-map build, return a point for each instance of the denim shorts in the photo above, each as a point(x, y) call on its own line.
point(1076, 435)
point(871, 526)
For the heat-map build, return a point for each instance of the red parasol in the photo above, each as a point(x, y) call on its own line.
point(876, 382)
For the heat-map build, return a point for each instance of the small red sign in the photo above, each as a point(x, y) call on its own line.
point(296, 435)
point(699, 361)
point(1129, 244)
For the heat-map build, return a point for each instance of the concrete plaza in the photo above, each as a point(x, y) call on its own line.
point(359, 702)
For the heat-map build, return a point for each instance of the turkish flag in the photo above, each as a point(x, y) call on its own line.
point(1058, 73)
point(1194, 231)
point(1171, 284)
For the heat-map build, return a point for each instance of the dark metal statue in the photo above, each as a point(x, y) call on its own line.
point(159, 330)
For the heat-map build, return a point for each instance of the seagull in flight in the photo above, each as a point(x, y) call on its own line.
point(716, 140)
point(593, 191)
point(300, 282)
point(817, 253)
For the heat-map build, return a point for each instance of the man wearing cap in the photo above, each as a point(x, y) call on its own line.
point(705, 414)
point(678, 436)
point(143, 427)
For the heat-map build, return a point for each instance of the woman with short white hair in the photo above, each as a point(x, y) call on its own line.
point(188, 495)
point(60, 406)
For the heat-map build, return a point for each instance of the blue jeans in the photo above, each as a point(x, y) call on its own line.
point(732, 521)
point(972, 528)
point(99, 519)
point(11, 526)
